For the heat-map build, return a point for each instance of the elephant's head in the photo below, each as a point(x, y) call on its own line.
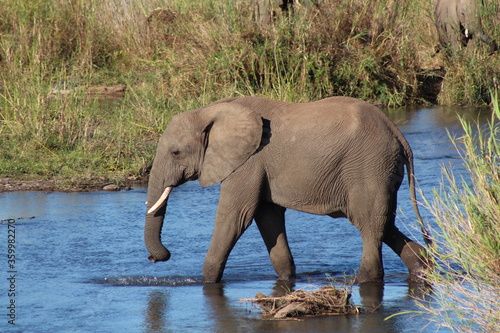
point(207, 144)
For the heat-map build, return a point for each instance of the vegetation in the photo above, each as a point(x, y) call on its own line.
point(466, 282)
point(187, 54)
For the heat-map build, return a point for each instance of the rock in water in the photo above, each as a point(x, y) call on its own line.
point(111, 187)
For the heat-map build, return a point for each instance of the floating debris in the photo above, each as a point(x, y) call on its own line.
point(13, 220)
point(325, 301)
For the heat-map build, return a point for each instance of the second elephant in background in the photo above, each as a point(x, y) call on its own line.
point(458, 22)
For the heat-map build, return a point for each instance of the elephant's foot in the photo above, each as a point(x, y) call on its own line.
point(371, 268)
point(413, 254)
point(415, 258)
point(283, 265)
point(211, 278)
point(370, 271)
point(213, 271)
point(370, 275)
point(288, 275)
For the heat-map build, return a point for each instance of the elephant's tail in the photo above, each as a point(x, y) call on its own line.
point(413, 194)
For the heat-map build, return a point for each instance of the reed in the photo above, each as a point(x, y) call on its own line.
point(466, 281)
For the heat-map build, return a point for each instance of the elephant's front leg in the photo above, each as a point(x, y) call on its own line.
point(237, 204)
point(270, 219)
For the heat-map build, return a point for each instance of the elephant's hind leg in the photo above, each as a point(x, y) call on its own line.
point(270, 219)
point(412, 254)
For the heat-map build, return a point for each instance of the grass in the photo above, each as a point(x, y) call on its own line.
point(192, 53)
point(466, 281)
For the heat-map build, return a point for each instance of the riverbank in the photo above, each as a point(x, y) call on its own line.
point(161, 59)
point(69, 185)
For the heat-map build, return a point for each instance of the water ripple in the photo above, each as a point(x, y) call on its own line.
point(171, 281)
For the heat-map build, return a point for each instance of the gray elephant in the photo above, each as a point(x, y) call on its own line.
point(458, 22)
point(265, 10)
point(339, 156)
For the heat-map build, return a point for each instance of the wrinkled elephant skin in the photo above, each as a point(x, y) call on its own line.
point(339, 156)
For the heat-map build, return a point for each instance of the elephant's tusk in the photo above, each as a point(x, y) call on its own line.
point(160, 201)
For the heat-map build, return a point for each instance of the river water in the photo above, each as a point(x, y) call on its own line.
point(81, 265)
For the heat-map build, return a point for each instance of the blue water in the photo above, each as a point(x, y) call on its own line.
point(81, 265)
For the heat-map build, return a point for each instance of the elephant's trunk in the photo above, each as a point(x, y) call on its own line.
point(154, 224)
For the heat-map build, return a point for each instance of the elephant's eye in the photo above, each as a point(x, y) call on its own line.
point(176, 153)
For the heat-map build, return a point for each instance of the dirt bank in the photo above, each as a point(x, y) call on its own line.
point(69, 185)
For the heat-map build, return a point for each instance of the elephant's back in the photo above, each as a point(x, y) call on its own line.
point(324, 126)
point(343, 118)
point(323, 147)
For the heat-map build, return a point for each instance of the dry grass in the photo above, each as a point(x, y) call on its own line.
point(325, 301)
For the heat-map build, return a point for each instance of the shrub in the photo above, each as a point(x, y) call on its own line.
point(466, 281)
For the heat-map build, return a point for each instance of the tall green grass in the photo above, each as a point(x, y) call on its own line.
point(192, 53)
point(466, 281)
point(78, 136)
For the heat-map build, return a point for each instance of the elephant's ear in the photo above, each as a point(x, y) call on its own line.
point(232, 134)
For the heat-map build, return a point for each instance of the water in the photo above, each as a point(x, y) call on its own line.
point(81, 263)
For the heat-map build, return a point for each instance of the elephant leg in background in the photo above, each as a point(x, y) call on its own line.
point(270, 219)
point(410, 252)
point(237, 205)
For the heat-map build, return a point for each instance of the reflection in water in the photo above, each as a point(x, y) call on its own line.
point(228, 317)
point(216, 301)
point(371, 294)
point(155, 312)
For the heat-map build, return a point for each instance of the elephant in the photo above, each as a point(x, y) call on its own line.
point(339, 156)
point(458, 22)
point(265, 10)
